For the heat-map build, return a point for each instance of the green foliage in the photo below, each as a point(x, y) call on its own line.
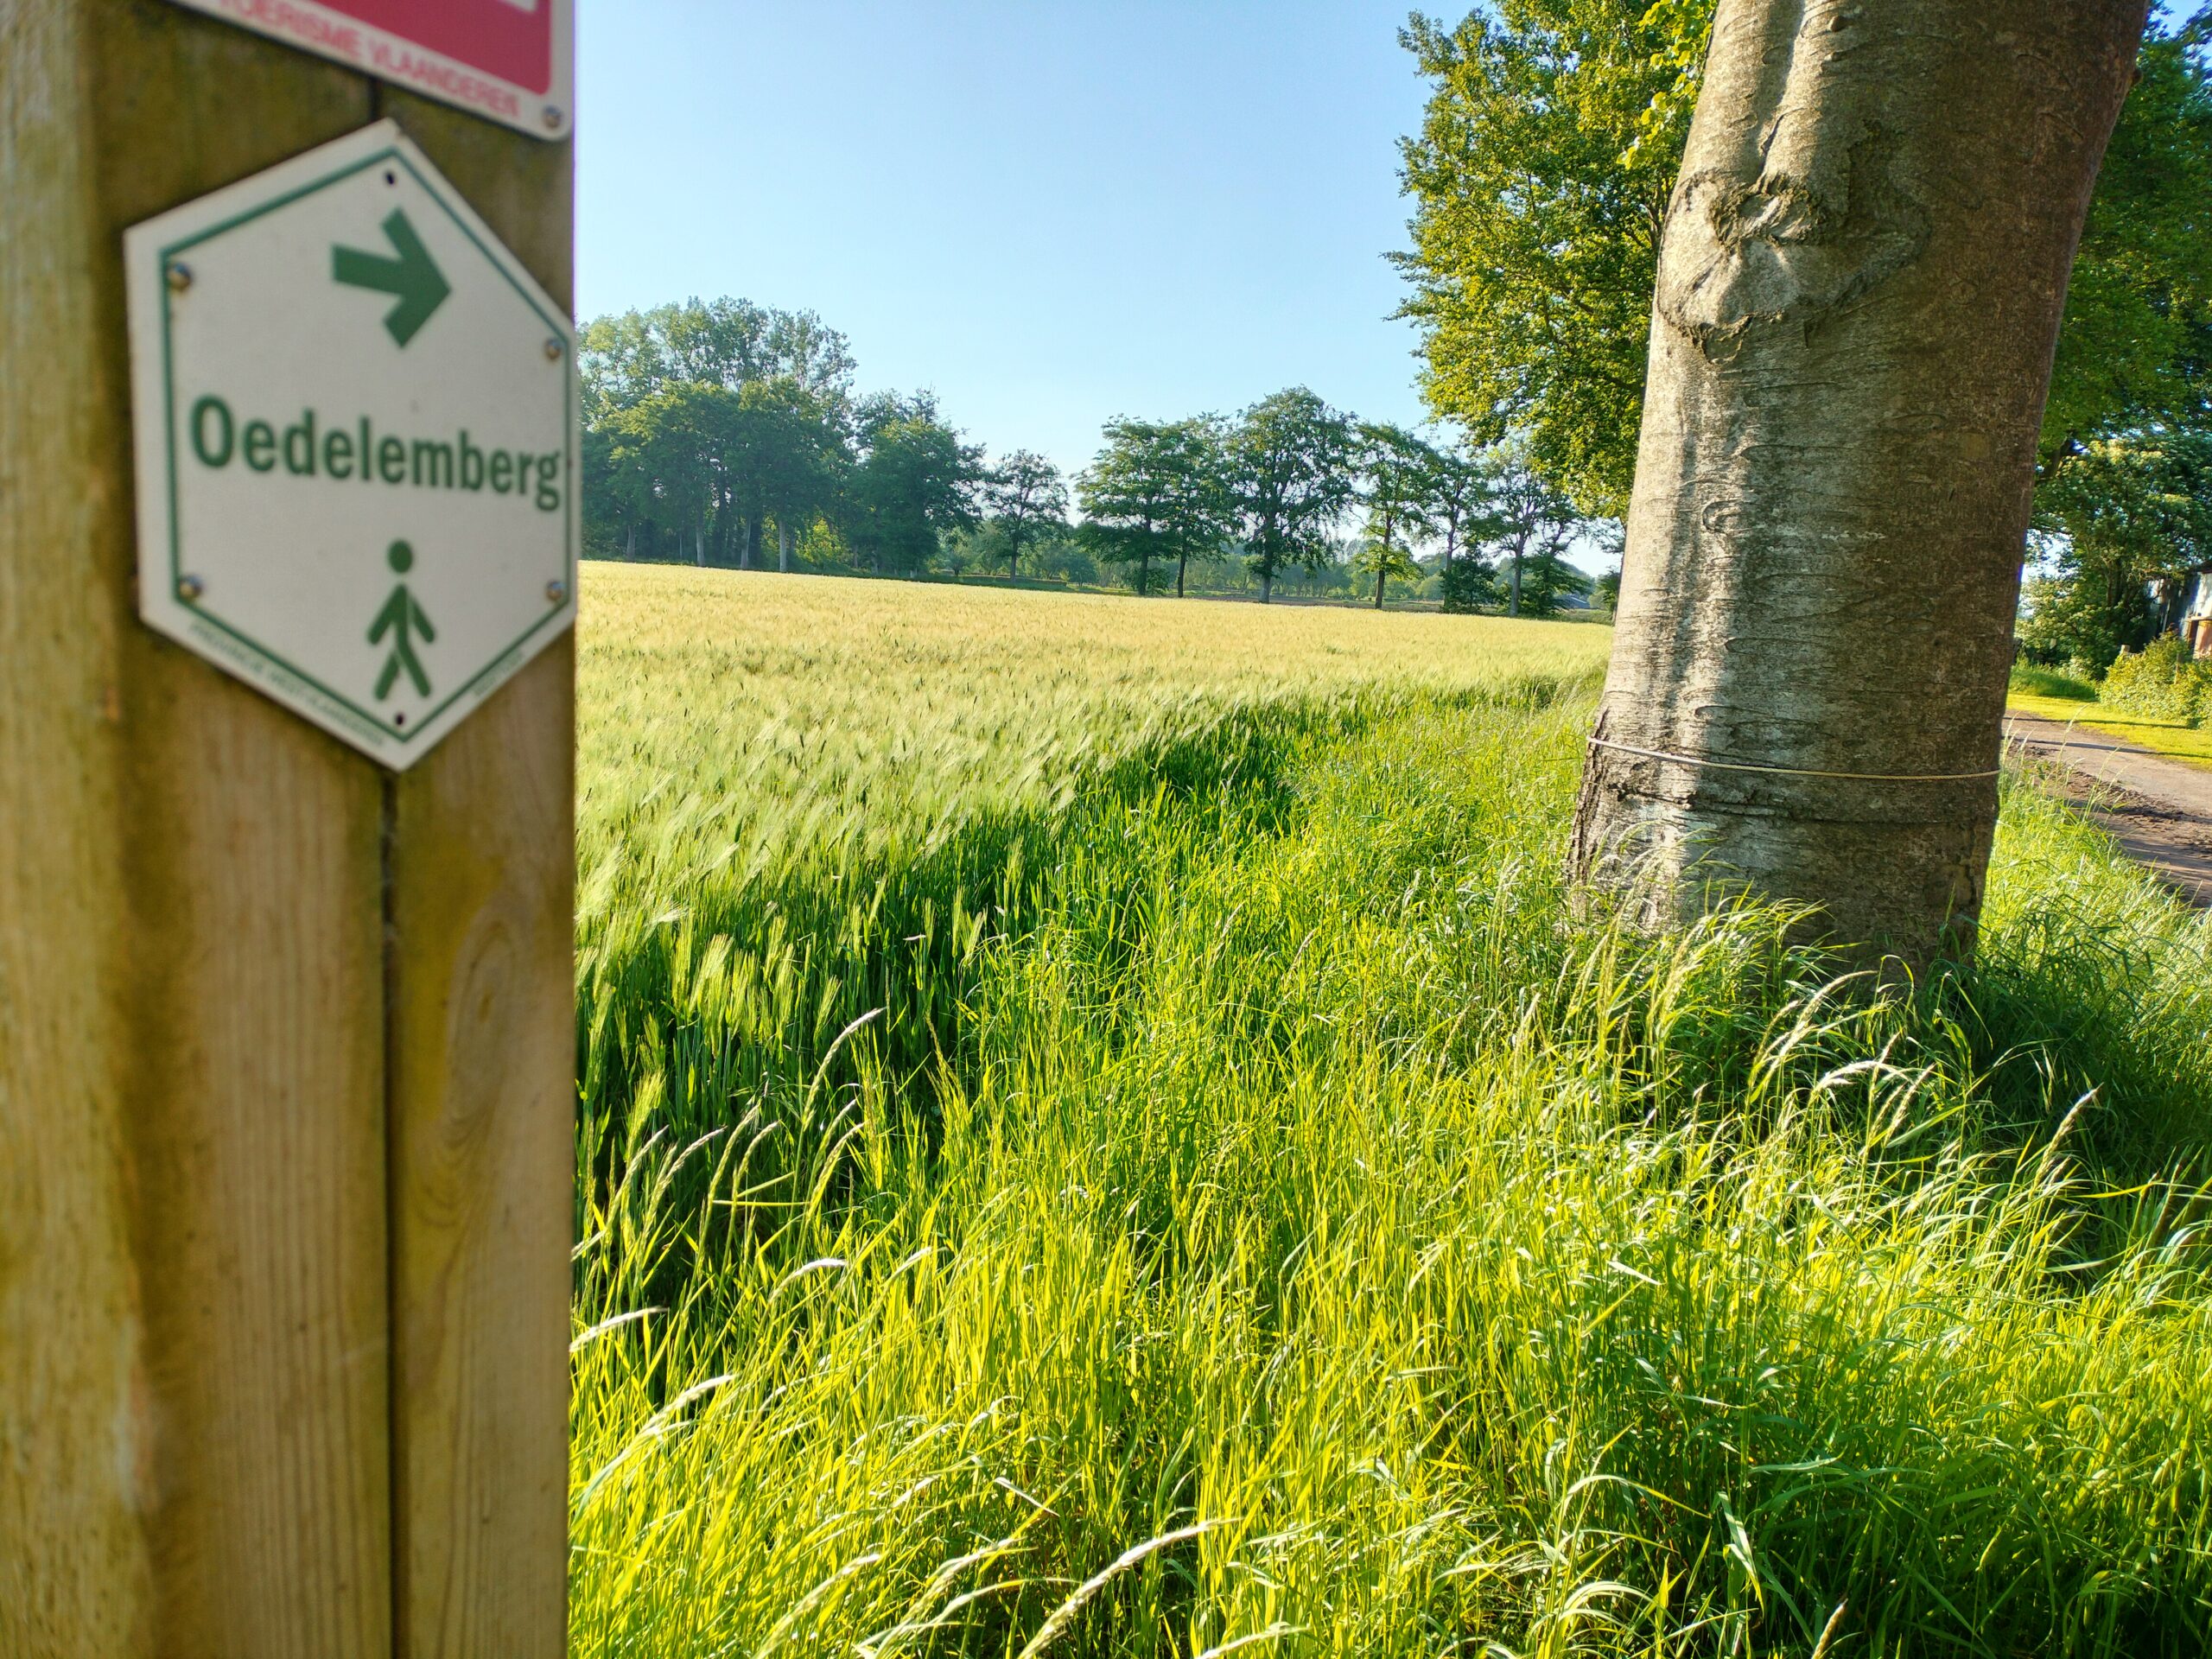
point(1398, 488)
point(2120, 515)
point(1290, 478)
point(1548, 581)
point(1064, 558)
point(2136, 350)
point(1385, 563)
point(725, 342)
point(2040, 681)
point(1026, 500)
point(2162, 680)
point(1470, 583)
point(1542, 172)
point(1264, 1204)
point(673, 458)
point(1159, 491)
point(1605, 593)
point(795, 452)
point(2089, 617)
point(1541, 177)
point(1458, 500)
point(2125, 491)
point(914, 483)
point(702, 420)
point(2143, 499)
point(1531, 525)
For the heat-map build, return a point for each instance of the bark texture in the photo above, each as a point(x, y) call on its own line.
point(1859, 290)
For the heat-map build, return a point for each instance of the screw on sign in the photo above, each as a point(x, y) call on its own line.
point(511, 60)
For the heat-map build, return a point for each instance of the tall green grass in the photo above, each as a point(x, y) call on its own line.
point(2040, 681)
point(1271, 1217)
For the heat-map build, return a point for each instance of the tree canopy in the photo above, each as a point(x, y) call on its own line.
point(1531, 523)
point(915, 481)
point(1541, 178)
point(1026, 499)
point(1158, 491)
point(2123, 518)
point(727, 342)
point(1399, 478)
point(1290, 480)
point(2135, 352)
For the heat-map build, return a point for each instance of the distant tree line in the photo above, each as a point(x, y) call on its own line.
point(715, 431)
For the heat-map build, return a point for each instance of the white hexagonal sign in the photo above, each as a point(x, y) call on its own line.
point(356, 425)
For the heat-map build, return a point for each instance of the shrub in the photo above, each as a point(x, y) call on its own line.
point(2162, 680)
point(2070, 616)
point(2053, 681)
point(1469, 584)
point(1066, 559)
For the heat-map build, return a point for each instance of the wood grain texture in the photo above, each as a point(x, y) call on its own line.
point(255, 1091)
point(483, 1084)
point(193, 927)
point(285, 1091)
point(73, 1577)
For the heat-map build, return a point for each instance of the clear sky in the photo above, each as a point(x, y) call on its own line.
point(1050, 212)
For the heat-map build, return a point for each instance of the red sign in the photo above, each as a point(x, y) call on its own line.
point(513, 60)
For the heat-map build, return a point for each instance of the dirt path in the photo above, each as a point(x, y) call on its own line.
point(2158, 810)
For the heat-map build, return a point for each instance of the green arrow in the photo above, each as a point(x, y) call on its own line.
point(414, 277)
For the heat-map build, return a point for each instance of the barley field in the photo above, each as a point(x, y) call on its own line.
point(1100, 1131)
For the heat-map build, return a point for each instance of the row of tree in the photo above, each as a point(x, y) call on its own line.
point(710, 426)
point(1277, 485)
point(1541, 177)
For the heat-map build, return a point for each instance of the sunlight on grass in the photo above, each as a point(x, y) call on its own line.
point(2173, 737)
point(1102, 1133)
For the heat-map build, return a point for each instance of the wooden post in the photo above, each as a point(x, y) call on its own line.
point(286, 1044)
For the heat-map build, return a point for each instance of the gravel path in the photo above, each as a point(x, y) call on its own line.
point(2158, 810)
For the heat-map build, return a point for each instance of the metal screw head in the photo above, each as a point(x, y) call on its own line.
point(179, 276)
point(553, 118)
point(553, 349)
point(188, 588)
point(556, 591)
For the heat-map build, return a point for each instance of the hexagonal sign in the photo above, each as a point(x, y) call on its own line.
point(356, 429)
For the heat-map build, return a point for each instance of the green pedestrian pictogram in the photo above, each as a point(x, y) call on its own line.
point(402, 618)
point(413, 278)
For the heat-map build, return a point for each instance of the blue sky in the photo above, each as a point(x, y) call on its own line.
point(1050, 213)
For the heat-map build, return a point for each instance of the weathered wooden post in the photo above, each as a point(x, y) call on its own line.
point(286, 1035)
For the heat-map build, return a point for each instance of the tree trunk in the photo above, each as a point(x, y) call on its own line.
point(745, 543)
point(1513, 584)
point(1381, 576)
point(1267, 587)
point(1182, 561)
point(1859, 288)
point(699, 543)
point(783, 546)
